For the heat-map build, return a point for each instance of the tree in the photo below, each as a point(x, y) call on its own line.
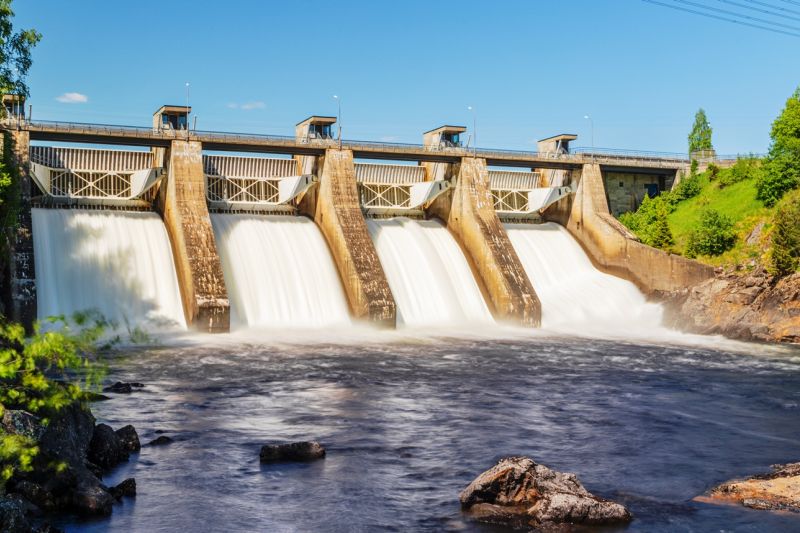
point(15, 52)
point(782, 164)
point(714, 235)
point(700, 136)
point(784, 256)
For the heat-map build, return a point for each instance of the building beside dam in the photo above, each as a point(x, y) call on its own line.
point(169, 225)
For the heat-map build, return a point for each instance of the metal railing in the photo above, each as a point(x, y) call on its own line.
point(224, 189)
point(381, 195)
point(512, 201)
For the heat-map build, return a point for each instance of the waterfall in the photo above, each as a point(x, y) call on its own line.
point(429, 276)
point(279, 272)
point(575, 295)
point(117, 262)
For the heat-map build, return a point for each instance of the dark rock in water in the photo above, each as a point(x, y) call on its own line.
point(90, 497)
point(106, 448)
point(36, 494)
point(68, 434)
point(292, 452)
point(126, 488)
point(122, 387)
point(160, 441)
point(521, 493)
point(129, 438)
point(90, 396)
point(778, 490)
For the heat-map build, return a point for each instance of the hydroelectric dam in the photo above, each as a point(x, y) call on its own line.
point(168, 226)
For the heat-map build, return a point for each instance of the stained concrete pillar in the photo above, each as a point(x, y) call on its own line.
point(612, 247)
point(182, 203)
point(468, 210)
point(335, 207)
point(21, 275)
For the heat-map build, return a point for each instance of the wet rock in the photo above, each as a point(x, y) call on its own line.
point(129, 438)
point(68, 435)
point(292, 452)
point(518, 492)
point(12, 516)
point(777, 490)
point(36, 494)
point(125, 489)
point(22, 423)
point(106, 448)
point(160, 441)
point(90, 497)
point(121, 387)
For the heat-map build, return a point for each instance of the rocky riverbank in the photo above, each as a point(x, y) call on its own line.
point(752, 306)
point(777, 491)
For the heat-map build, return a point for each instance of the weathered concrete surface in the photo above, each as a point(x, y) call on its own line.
point(614, 249)
point(335, 207)
point(777, 491)
point(182, 203)
point(21, 282)
point(521, 493)
point(741, 305)
point(468, 211)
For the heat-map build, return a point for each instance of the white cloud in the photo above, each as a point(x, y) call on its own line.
point(232, 105)
point(72, 98)
point(247, 106)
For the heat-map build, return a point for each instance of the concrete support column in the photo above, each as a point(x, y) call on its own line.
point(468, 210)
point(335, 207)
point(614, 249)
point(21, 302)
point(182, 202)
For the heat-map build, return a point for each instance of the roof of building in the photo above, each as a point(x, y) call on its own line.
point(560, 137)
point(318, 119)
point(173, 109)
point(448, 128)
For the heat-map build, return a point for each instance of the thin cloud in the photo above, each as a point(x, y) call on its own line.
point(72, 98)
point(247, 106)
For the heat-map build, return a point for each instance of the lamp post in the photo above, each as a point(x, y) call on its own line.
point(187, 110)
point(474, 132)
point(591, 125)
point(339, 118)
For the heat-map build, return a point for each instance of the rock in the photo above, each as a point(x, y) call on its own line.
point(160, 441)
point(90, 497)
point(122, 387)
point(755, 235)
point(521, 493)
point(22, 423)
point(12, 516)
point(129, 438)
point(68, 435)
point(36, 494)
point(126, 488)
point(778, 490)
point(292, 452)
point(106, 449)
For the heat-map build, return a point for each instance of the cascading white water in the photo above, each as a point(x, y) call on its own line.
point(575, 295)
point(279, 272)
point(429, 276)
point(116, 262)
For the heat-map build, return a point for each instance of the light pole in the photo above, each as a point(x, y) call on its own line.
point(474, 132)
point(339, 118)
point(591, 125)
point(187, 110)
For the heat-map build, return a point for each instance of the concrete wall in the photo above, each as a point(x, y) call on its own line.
point(615, 250)
point(21, 275)
point(468, 210)
point(334, 206)
point(182, 203)
point(625, 191)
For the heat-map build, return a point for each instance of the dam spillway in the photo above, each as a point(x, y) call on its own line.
point(116, 262)
point(429, 276)
point(575, 296)
point(279, 272)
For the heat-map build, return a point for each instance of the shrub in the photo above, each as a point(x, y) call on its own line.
point(714, 235)
point(782, 166)
point(745, 168)
point(688, 187)
point(713, 172)
point(650, 222)
point(784, 255)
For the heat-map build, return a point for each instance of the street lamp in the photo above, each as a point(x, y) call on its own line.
point(339, 118)
point(591, 124)
point(474, 132)
point(187, 110)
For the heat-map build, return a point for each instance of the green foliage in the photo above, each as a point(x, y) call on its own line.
point(713, 172)
point(714, 235)
point(700, 136)
point(782, 165)
point(784, 256)
point(15, 52)
point(44, 373)
point(745, 168)
point(650, 222)
point(688, 187)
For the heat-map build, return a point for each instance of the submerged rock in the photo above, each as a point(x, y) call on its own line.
point(292, 452)
point(778, 490)
point(126, 488)
point(122, 387)
point(160, 441)
point(521, 493)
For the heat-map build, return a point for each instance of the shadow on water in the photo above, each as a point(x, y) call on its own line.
point(409, 424)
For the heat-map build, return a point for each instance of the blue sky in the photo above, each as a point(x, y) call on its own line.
point(531, 69)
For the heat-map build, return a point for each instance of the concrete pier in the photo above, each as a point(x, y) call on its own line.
point(468, 211)
point(334, 206)
point(182, 203)
point(613, 248)
point(21, 281)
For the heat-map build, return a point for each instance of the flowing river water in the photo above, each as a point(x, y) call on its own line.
point(409, 420)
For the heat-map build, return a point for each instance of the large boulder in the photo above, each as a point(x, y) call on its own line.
point(521, 493)
point(129, 438)
point(292, 452)
point(68, 434)
point(777, 490)
point(106, 449)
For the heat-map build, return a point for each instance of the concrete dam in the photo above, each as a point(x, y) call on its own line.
point(169, 227)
